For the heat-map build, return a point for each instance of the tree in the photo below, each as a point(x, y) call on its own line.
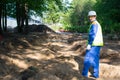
point(81, 8)
point(53, 13)
point(3, 16)
point(109, 8)
point(22, 9)
point(108, 11)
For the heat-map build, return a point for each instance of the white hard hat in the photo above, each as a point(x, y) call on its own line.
point(91, 13)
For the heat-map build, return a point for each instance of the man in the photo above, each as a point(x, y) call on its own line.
point(95, 41)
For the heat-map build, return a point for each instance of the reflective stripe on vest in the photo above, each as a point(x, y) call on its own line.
point(98, 40)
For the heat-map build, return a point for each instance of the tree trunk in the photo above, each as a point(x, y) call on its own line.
point(5, 29)
point(4, 18)
point(3, 21)
point(1, 18)
point(22, 16)
point(26, 14)
point(18, 16)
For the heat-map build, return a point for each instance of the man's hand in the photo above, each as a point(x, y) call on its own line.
point(88, 47)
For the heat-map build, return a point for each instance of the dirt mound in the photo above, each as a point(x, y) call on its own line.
point(79, 46)
point(109, 71)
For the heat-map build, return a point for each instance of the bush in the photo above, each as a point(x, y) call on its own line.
point(79, 29)
point(116, 28)
point(113, 28)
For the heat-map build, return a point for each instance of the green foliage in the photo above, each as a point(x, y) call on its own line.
point(114, 28)
point(56, 11)
point(74, 14)
point(55, 27)
point(75, 19)
point(81, 8)
point(52, 15)
point(79, 29)
point(38, 6)
point(108, 14)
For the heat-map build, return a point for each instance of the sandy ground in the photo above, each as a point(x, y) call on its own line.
point(54, 57)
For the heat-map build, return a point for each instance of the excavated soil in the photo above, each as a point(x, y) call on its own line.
point(51, 56)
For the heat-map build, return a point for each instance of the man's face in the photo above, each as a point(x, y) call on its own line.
point(92, 18)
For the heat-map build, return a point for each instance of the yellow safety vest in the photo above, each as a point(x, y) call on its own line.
point(98, 40)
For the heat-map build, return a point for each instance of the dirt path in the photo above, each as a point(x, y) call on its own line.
point(53, 57)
